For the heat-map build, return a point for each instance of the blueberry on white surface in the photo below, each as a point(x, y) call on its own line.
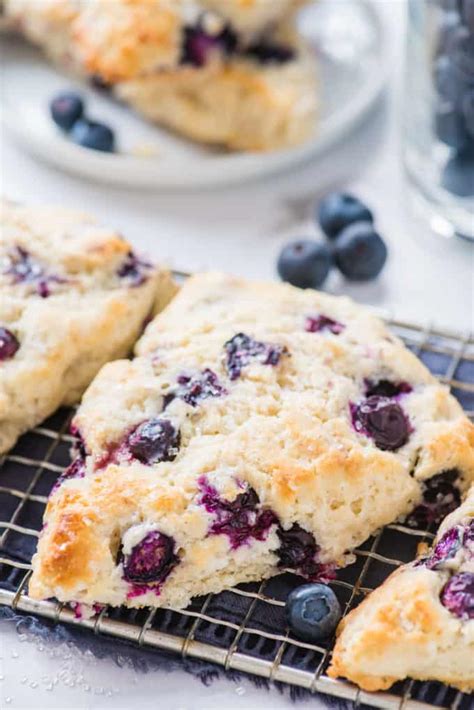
point(450, 127)
point(94, 135)
point(66, 108)
point(305, 263)
point(360, 252)
point(340, 209)
point(313, 612)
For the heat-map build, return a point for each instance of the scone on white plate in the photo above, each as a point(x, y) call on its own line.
point(73, 295)
point(224, 72)
point(420, 623)
point(259, 428)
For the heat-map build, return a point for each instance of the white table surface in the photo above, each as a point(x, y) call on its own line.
point(239, 230)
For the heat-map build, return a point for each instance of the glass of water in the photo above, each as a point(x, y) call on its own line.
point(439, 113)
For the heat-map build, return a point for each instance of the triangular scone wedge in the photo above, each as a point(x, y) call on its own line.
point(420, 623)
point(260, 427)
point(73, 296)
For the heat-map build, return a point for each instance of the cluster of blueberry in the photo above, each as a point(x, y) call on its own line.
point(454, 84)
point(354, 247)
point(67, 111)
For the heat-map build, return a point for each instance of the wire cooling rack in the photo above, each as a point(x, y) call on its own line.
point(242, 629)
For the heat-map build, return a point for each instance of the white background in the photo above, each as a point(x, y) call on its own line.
point(427, 279)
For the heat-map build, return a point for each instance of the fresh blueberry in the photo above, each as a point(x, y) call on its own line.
point(468, 112)
point(458, 174)
point(266, 52)
point(94, 135)
point(383, 420)
point(360, 252)
point(450, 126)
point(154, 441)
point(151, 560)
point(313, 612)
point(338, 210)
point(66, 108)
point(9, 344)
point(241, 350)
point(458, 595)
point(305, 263)
point(440, 497)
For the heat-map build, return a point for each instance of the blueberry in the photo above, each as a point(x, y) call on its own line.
point(450, 126)
point(299, 551)
point(193, 388)
point(322, 323)
point(151, 560)
point(387, 388)
point(9, 344)
point(458, 173)
point(305, 263)
point(313, 612)
point(94, 135)
point(446, 548)
point(338, 210)
point(458, 595)
point(66, 108)
point(383, 420)
point(360, 252)
point(241, 350)
point(198, 45)
point(133, 269)
point(154, 441)
point(468, 112)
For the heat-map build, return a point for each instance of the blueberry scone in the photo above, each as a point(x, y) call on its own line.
point(229, 72)
point(259, 428)
point(73, 295)
point(420, 622)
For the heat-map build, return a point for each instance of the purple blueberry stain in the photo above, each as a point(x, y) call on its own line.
point(457, 596)
point(299, 551)
point(23, 268)
point(199, 45)
point(193, 388)
point(9, 344)
point(323, 324)
point(151, 560)
point(383, 420)
point(241, 350)
point(134, 270)
point(154, 441)
point(446, 548)
point(77, 469)
point(386, 388)
point(242, 519)
point(441, 496)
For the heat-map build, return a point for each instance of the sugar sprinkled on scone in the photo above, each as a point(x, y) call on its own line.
point(249, 435)
point(420, 622)
point(73, 295)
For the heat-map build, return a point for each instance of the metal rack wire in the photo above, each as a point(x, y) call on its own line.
point(242, 629)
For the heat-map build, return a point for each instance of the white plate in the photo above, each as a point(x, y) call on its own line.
point(347, 36)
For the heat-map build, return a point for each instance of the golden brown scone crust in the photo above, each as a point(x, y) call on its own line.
point(284, 430)
point(403, 630)
point(70, 321)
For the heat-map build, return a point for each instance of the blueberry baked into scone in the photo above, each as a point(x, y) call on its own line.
point(73, 295)
point(420, 622)
point(259, 428)
point(235, 73)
